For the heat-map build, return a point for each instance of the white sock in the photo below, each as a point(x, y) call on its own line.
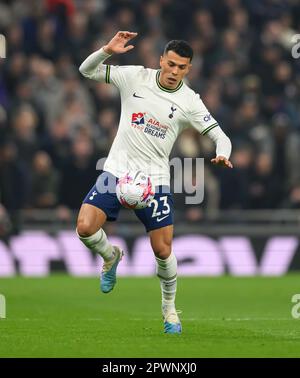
point(167, 272)
point(98, 243)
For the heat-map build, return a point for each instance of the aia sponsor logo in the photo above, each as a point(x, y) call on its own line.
point(138, 118)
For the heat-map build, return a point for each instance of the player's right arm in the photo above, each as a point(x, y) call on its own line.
point(93, 67)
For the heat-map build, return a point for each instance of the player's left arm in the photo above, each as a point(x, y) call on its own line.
point(223, 147)
point(203, 121)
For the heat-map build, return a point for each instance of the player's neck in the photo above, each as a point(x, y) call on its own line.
point(165, 86)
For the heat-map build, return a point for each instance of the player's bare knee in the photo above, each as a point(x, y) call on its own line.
point(85, 228)
point(162, 250)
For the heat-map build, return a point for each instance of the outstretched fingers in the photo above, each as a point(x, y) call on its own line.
point(221, 160)
point(129, 47)
point(127, 35)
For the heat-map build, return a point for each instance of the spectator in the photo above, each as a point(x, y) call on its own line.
point(265, 189)
point(78, 174)
point(45, 182)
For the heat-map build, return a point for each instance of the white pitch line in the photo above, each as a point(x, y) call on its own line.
point(220, 319)
point(158, 319)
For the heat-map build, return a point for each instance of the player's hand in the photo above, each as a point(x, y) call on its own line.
point(222, 161)
point(117, 44)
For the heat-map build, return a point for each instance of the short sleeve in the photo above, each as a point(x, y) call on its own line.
point(122, 76)
point(199, 117)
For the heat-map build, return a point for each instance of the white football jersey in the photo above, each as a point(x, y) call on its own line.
point(151, 119)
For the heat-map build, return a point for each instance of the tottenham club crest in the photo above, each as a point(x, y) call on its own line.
point(172, 111)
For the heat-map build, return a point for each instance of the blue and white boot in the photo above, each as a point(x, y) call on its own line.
point(109, 270)
point(172, 322)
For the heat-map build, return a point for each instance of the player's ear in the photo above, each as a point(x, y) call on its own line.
point(161, 61)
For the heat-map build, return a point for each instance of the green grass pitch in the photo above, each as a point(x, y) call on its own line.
point(63, 316)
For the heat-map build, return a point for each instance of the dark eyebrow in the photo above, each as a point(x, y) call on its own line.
point(179, 65)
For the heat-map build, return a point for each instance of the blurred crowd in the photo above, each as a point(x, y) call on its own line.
point(55, 124)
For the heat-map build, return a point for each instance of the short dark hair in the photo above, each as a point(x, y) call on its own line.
point(180, 47)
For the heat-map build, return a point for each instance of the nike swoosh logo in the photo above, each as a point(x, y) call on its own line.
point(160, 219)
point(135, 95)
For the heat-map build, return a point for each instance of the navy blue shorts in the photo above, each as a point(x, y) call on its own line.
point(158, 214)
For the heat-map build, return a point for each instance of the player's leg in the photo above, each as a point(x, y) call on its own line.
point(96, 209)
point(158, 221)
point(166, 268)
point(89, 230)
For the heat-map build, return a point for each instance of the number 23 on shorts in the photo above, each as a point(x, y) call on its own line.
point(161, 208)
